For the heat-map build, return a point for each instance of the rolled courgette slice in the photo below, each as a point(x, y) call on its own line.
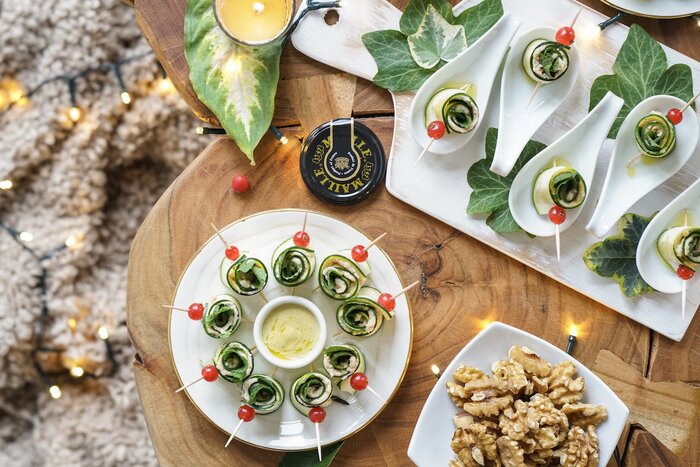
point(341, 361)
point(558, 185)
point(455, 108)
point(263, 393)
point(340, 277)
point(222, 316)
point(245, 276)
point(655, 135)
point(545, 61)
point(234, 361)
point(311, 390)
point(293, 265)
point(361, 315)
point(680, 245)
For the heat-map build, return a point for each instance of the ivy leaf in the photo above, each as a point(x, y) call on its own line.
point(640, 71)
point(310, 458)
point(237, 83)
point(415, 12)
point(616, 256)
point(436, 40)
point(479, 18)
point(490, 190)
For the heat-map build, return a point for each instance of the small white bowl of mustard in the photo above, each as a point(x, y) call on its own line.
point(290, 332)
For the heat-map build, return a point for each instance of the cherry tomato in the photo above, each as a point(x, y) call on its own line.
point(246, 413)
point(565, 36)
point(557, 215)
point(359, 381)
point(240, 184)
point(195, 311)
point(232, 253)
point(685, 272)
point(317, 415)
point(359, 254)
point(675, 115)
point(210, 373)
point(301, 239)
point(436, 129)
point(386, 301)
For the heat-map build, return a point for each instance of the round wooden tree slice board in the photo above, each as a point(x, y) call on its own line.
point(464, 284)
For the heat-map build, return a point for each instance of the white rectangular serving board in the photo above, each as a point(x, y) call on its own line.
point(439, 187)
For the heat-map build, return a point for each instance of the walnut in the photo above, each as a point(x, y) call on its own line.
point(474, 445)
point(487, 406)
point(580, 449)
point(585, 414)
point(562, 387)
point(515, 422)
point(531, 362)
point(465, 374)
point(536, 385)
point(485, 385)
point(462, 420)
point(541, 456)
point(510, 452)
point(512, 373)
point(553, 424)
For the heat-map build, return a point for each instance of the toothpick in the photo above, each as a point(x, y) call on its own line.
point(466, 87)
point(406, 289)
point(262, 295)
point(253, 348)
point(274, 370)
point(190, 384)
point(303, 227)
point(534, 92)
point(340, 331)
point(174, 308)
point(291, 292)
point(690, 102)
point(573, 21)
point(634, 160)
point(425, 150)
point(374, 242)
point(684, 286)
point(558, 241)
point(318, 441)
point(311, 368)
point(233, 433)
point(376, 395)
point(317, 287)
point(219, 235)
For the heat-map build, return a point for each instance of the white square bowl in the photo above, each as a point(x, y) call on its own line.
point(430, 443)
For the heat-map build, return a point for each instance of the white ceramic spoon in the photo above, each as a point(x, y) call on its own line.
point(625, 187)
point(653, 269)
point(579, 147)
point(517, 121)
point(477, 65)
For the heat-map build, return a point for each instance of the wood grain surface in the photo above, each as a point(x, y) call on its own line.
point(464, 284)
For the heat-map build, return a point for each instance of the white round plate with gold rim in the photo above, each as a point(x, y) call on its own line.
point(286, 429)
point(659, 9)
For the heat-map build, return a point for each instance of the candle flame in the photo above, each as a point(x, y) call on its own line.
point(435, 369)
point(258, 7)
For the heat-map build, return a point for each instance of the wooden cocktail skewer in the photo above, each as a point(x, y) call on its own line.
point(684, 286)
point(360, 253)
point(209, 374)
point(690, 102)
point(317, 415)
point(194, 311)
point(539, 83)
point(301, 238)
point(359, 382)
point(245, 414)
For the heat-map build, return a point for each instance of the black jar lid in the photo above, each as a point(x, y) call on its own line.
point(336, 173)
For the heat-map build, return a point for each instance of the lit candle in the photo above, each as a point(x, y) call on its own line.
point(254, 22)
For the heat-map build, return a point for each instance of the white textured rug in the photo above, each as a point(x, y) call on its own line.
point(97, 179)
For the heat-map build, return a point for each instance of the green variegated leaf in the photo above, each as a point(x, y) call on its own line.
point(415, 11)
point(436, 40)
point(237, 83)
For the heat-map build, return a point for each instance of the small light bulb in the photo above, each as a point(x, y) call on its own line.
point(74, 113)
point(199, 130)
point(284, 140)
point(573, 330)
point(126, 97)
point(165, 85)
point(435, 369)
point(55, 392)
point(71, 241)
point(26, 236)
point(6, 184)
point(72, 323)
point(77, 371)
point(103, 333)
point(258, 7)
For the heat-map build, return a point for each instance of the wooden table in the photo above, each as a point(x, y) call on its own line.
point(463, 282)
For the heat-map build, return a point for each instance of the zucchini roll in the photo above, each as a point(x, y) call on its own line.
point(293, 265)
point(558, 185)
point(455, 108)
point(361, 315)
point(234, 362)
point(655, 135)
point(263, 393)
point(340, 277)
point(246, 276)
point(222, 317)
point(341, 361)
point(311, 390)
point(680, 245)
point(545, 61)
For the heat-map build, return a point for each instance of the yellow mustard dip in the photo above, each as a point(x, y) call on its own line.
point(290, 332)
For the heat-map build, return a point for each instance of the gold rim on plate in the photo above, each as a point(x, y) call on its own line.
point(410, 318)
point(643, 15)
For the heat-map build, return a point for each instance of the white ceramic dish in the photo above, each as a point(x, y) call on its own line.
point(653, 269)
point(623, 187)
point(430, 443)
point(657, 8)
point(478, 66)
point(286, 429)
point(517, 121)
point(579, 148)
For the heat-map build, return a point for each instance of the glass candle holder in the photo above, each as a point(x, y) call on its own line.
point(254, 22)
